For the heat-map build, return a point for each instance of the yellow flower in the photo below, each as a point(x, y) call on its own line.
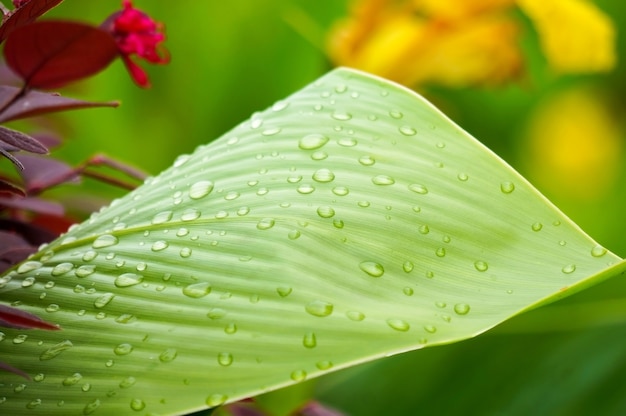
point(461, 42)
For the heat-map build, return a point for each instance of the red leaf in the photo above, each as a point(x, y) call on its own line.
point(34, 205)
point(10, 188)
point(15, 318)
point(50, 54)
point(21, 141)
point(11, 369)
point(25, 15)
point(40, 173)
point(34, 103)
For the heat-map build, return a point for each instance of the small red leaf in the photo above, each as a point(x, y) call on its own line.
point(34, 205)
point(41, 173)
point(50, 54)
point(11, 369)
point(34, 103)
point(10, 188)
point(21, 141)
point(25, 14)
point(15, 318)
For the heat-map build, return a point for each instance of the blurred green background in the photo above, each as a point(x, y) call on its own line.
point(230, 59)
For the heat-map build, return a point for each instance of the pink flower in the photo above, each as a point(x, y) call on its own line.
point(138, 34)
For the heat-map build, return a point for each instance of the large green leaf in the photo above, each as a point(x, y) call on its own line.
point(349, 222)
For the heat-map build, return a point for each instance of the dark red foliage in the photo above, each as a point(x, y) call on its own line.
point(19, 104)
point(50, 54)
point(26, 12)
point(16, 318)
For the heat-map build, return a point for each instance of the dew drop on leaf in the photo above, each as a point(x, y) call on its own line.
point(215, 400)
point(168, 355)
point(309, 340)
point(84, 270)
point(128, 279)
point(570, 268)
point(325, 211)
point(197, 290)
point(137, 404)
point(105, 240)
point(418, 188)
point(61, 268)
point(73, 379)
point(598, 251)
point(162, 217)
point(298, 375)
point(407, 130)
point(127, 382)
point(319, 308)
point(507, 187)
point(481, 266)
point(398, 325)
point(123, 349)
point(355, 316)
point(103, 300)
point(159, 245)
point(312, 141)
point(323, 176)
point(372, 268)
point(200, 189)
point(367, 160)
point(537, 226)
point(265, 224)
point(225, 359)
point(383, 180)
point(461, 308)
point(29, 266)
point(55, 350)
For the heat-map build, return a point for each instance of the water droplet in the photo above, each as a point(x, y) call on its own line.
point(225, 359)
point(407, 130)
point(325, 211)
point(105, 240)
point(306, 189)
point(125, 318)
point(312, 141)
point(570, 268)
point(271, 131)
point(323, 175)
point(462, 177)
point(347, 142)
point(90, 255)
point(367, 160)
point(396, 114)
point(363, 204)
point(418, 188)
point(407, 266)
point(55, 350)
point(355, 316)
point(319, 308)
point(283, 291)
point(216, 313)
point(73, 379)
point(84, 270)
point(440, 252)
point(137, 404)
point(507, 187)
point(91, 407)
point(185, 252)
point(280, 106)
point(294, 178)
point(61, 268)
point(440, 304)
point(103, 300)
point(29, 266)
point(324, 365)
point(19, 388)
point(168, 355)
point(309, 340)
point(481, 266)
point(398, 324)
point(39, 377)
point(341, 116)
point(461, 308)
point(319, 155)
point(33, 404)
point(383, 180)
point(231, 328)
point(408, 291)
point(128, 279)
point(197, 290)
point(127, 382)
point(123, 349)
point(200, 189)
point(159, 245)
point(256, 123)
point(372, 268)
point(294, 234)
point(216, 400)
point(430, 328)
point(265, 224)
point(190, 214)
point(537, 226)
point(298, 375)
point(340, 191)
point(221, 215)
point(53, 307)
point(598, 251)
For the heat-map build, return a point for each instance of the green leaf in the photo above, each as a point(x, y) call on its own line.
point(350, 222)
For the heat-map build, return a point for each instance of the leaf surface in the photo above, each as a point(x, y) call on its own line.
point(350, 222)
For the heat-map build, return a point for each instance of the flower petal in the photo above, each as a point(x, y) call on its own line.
point(575, 35)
